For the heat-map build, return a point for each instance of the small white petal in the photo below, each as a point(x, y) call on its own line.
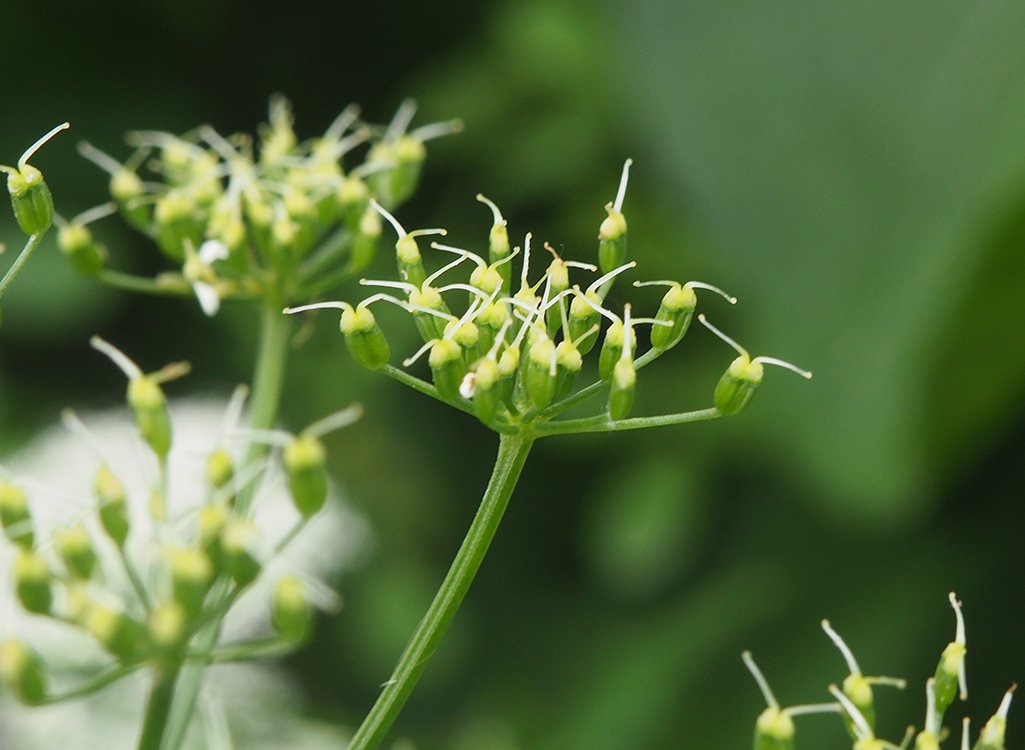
point(212, 250)
point(208, 298)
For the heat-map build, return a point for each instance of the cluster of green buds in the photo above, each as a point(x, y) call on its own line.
point(854, 701)
point(510, 349)
point(144, 582)
point(277, 219)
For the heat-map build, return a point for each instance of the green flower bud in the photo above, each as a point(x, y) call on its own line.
point(950, 672)
point(676, 311)
point(992, 736)
point(612, 232)
point(192, 573)
point(22, 672)
point(429, 325)
point(238, 545)
point(146, 399)
point(14, 515)
point(32, 580)
point(291, 612)
point(83, 252)
point(774, 730)
point(611, 350)
point(76, 551)
point(447, 368)
point(498, 244)
point(621, 391)
point(113, 506)
point(540, 375)
point(210, 522)
point(363, 337)
point(737, 385)
point(568, 362)
point(583, 322)
point(353, 198)
point(122, 636)
point(305, 466)
point(167, 626)
point(365, 240)
point(176, 223)
point(30, 197)
point(220, 469)
point(490, 320)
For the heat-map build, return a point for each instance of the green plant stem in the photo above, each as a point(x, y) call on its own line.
point(20, 261)
point(158, 708)
point(512, 454)
point(143, 284)
point(268, 379)
point(603, 424)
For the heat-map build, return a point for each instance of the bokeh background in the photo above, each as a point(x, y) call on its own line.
point(853, 172)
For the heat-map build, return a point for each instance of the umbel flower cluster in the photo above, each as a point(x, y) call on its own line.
point(275, 220)
point(146, 585)
point(509, 346)
point(854, 701)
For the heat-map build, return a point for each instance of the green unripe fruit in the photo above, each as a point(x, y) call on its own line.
point(122, 636)
point(364, 338)
point(76, 551)
point(22, 672)
point(365, 240)
point(568, 362)
point(946, 678)
point(429, 326)
point(220, 469)
point(541, 372)
point(238, 541)
point(774, 730)
point(210, 523)
point(83, 252)
point(32, 582)
point(582, 318)
point(113, 505)
point(146, 399)
point(167, 626)
point(191, 576)
point(612, 240)
point(677, 309)
point(291, 612)
point(621, 391)
point(487, 397)
point(446, 363)
point(737, 385)
point(14, 515)
point(31, 199)
point(611, 350)
point(305, 466)
point(411, 267)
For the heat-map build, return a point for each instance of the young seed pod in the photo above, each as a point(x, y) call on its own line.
point(30, 197)
point(77, 244)
point(621, 391)
point(113, 505)
point(353, 197)
point(167, 626)
point(121, 635)
point(238, 543)
point(428, 325)
point(363, 337)
point(76, 551)
point(291, 611)
point(32, 579)
point(677, 308)
point(611, 350)
point(498, 244)
point(774, 730)
point(192, 573)
point(149, 406)
point(22, 671)
point(210, 523)
point(738, 384)
point(568, 362)
point(612, 232)
point(305, 461)
point(993, 733)
point(949, 678)
point(447, 367)
point(365, 239)
point(220, 469)
point(14, 515)
point(486, 395)
point(541, 371)
point(583, 322)
point(175, 216)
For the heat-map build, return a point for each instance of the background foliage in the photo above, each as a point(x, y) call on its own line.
point(853, 172)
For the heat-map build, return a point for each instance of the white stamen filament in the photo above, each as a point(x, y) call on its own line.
point(119, 358)
point(861, 727)
point(399, 123)
point(848, 655)
point(806, 374)
point(526, 262)
point(434, 130)
point(740, 350)
point(104, 161)
point(335, 421)
point(611, 274)
point(702, 285)
point(403, 285)
point(31, 150)
point(341, 123)
point(618, 205)
point(499, 221)
point(931, 722)
point(763, 684)
point(479, 261)
point(317, 306)
point(94, 214)
point(597, 308)
point(391, 219)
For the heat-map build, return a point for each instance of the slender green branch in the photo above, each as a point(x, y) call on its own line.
point(602, 423)
point(422, 386)
point(132, 283)
point(87, 688)
point(512, 454)
point(134, 579)
point(267, 647)
point(158, 708)
point(19, 262)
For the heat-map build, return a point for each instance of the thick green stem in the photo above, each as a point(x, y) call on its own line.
point(512, 454)
point(267, 383)
point(158, 708)
point(20, 261)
